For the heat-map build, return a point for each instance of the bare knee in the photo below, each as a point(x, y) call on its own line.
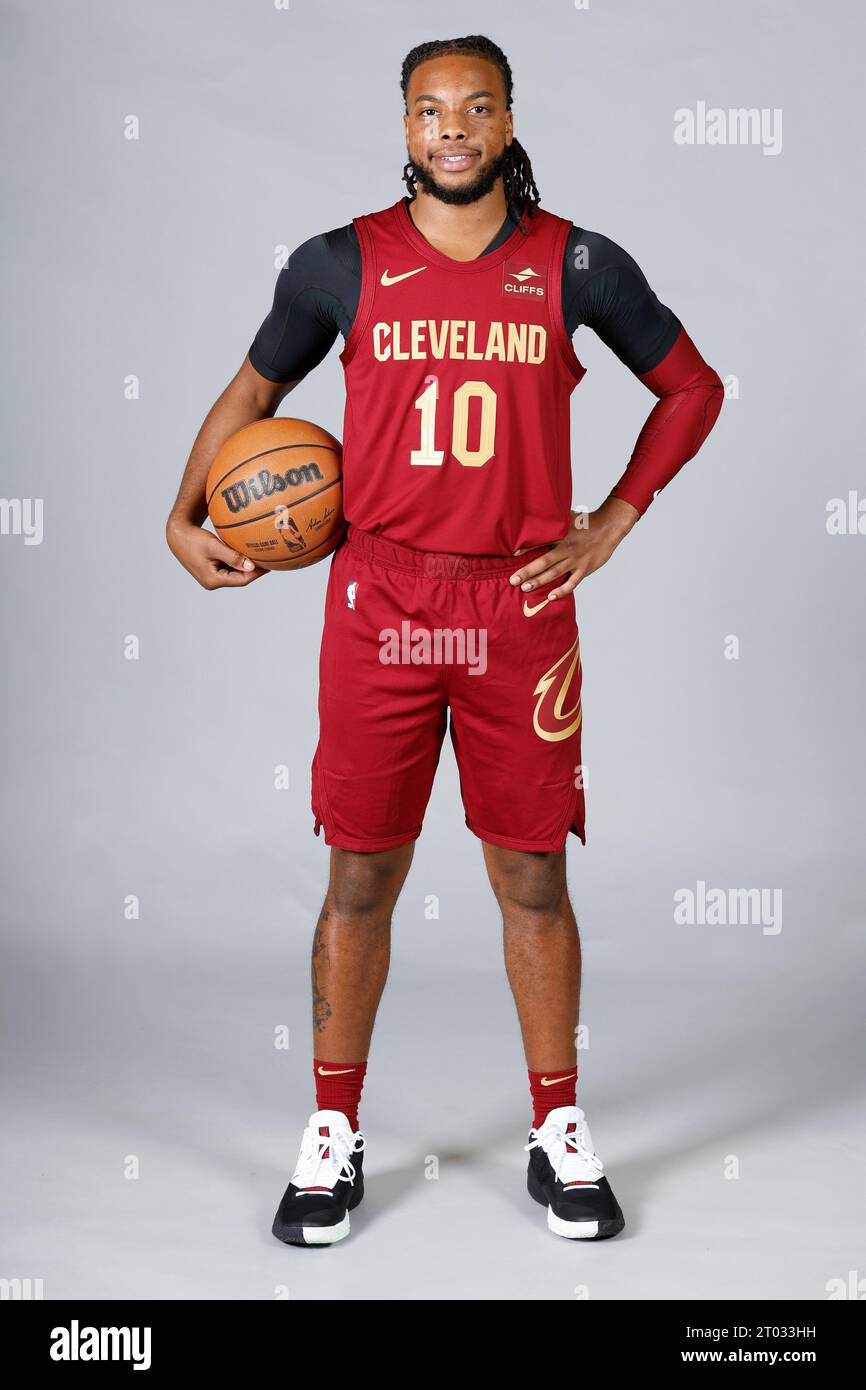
point(527, 882)
point(367, 885)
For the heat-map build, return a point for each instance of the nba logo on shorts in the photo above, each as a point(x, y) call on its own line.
point(351, 591)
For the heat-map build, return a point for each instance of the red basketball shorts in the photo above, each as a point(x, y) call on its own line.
point(411, 636)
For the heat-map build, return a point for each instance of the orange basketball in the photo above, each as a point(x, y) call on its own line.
point(275, 493)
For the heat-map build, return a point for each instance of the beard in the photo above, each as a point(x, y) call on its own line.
point(480, 186)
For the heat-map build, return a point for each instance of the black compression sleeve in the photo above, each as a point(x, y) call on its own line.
point(603, 288)
point(315, 298)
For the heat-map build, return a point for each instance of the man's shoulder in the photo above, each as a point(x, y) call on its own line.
point(600, 252)
point(325, 253)
point(337, 251)
point(589, 250)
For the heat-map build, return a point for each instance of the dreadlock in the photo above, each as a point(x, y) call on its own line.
point(518, 180)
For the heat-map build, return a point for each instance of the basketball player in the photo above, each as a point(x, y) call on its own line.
point(457, 306)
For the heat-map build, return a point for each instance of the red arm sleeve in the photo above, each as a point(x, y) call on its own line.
point(690, 396)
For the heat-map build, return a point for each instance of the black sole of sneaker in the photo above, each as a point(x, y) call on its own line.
point(317, 1237)
point(312, 1237)
point(605, 1228)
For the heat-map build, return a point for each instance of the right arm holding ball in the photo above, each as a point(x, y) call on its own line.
point(295, 337)
point(247, 397)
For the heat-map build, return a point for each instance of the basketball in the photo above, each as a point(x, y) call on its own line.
point(275, 493)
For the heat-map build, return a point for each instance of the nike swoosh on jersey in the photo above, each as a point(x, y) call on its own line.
point(388, 279)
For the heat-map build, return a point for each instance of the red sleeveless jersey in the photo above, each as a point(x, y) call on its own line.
point(458, 376)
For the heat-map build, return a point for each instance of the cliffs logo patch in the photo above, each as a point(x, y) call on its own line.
point(551, 720)
point(521, 279)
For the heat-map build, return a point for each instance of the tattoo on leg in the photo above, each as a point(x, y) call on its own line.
point(319, 942)
point(321, 1007)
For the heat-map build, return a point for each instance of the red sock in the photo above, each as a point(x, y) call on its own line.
point(338, 1087)
point(550, 1089)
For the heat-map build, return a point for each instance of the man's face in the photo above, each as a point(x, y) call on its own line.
point(457, 127)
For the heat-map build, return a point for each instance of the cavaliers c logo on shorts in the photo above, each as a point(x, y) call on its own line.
point(550, 719)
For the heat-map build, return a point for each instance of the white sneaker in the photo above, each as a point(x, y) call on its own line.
point(567, 1176)
point(328, 1182)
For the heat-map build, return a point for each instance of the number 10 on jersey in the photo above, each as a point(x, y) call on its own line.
point(428, 455)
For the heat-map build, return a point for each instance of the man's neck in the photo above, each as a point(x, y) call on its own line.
point(459, 230)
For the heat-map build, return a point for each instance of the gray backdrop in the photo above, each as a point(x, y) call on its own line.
point(150, 1121)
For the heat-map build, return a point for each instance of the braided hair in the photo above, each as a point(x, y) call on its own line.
point(518, 180)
